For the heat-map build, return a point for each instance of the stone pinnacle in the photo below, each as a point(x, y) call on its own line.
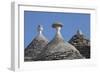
point(58, 27)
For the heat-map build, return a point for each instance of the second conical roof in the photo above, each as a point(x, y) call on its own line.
point(59, 49)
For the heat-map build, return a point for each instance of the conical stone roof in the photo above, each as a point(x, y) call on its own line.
point(58, 49)
point(81, 43)
point(36, 46)
point(79, 39)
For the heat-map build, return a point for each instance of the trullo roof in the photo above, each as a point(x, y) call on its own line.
point(58, 49)
point(82, 43)
point(36, 46)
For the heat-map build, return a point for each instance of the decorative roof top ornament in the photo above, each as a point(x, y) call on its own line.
point(79, 32)
point(40, 29)
point(58, 26)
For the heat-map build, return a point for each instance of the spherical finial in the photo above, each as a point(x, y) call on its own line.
point(40, 28)
point(57, 24)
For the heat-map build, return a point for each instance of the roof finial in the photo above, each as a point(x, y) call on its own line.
point(57, 26)
point(40, 29)
point(79, 32)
